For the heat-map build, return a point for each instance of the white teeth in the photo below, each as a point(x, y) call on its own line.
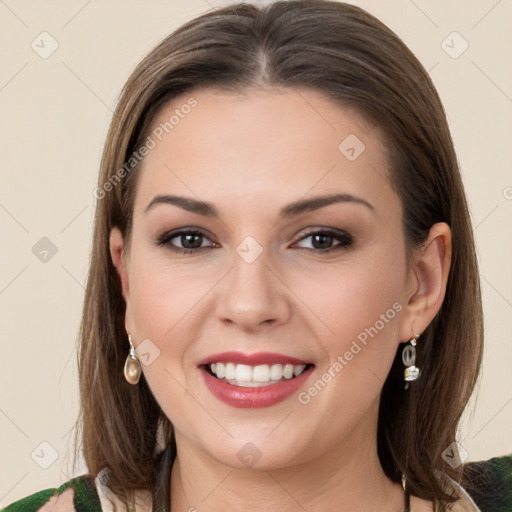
point(250, 376)
point(288, 371)
point(219, 370)
point(229, 371)
point(298, 369)
point(243, 372)
point(261, 373)
point(276, 372)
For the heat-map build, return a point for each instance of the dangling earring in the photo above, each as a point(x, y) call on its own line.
point(409, 359)
point(132, 369)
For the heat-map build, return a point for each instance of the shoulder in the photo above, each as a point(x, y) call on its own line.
point(489, 483)
point(485, 486)
point(76, 495)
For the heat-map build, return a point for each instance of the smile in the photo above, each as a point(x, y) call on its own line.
point(255, 376)
point(253, 380)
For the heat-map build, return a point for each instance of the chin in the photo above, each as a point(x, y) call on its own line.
point(256, 456)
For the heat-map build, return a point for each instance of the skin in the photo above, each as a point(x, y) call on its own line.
point(250, 155)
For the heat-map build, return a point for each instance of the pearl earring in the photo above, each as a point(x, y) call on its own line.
point(411, 372)
point(132, 368)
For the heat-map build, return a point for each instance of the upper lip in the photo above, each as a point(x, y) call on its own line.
point(258, 358)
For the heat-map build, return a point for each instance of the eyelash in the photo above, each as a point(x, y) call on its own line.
point(164, 240)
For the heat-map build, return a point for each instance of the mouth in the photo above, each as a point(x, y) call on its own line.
point(254, 380)
point(252, 376)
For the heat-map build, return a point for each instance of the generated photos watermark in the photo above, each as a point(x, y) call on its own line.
point(152, 140)
point(304, 397)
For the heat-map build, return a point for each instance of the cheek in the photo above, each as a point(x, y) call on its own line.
point(163, 295)
point(360, 306)
point(168, 305)
point(363, 315)
point(355, 294)
point(161, 306)
point(158, 307)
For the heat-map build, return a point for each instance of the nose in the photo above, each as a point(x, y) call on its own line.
point(253, 295)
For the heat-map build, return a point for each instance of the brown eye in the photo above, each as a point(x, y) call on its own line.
point(322, 240)
point(190, 240)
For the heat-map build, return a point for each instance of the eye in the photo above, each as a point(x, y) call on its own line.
point(322, 240)
point(189, 238)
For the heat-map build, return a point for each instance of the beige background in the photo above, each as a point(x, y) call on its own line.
point(54, 117)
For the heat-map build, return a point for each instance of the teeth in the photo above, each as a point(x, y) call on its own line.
point(276, 372)
point(229, 372)
point(288, 371)
point(261, 373)
point(243, 372)
point(250, 376)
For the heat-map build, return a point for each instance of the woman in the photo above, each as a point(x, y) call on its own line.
point(283, 307)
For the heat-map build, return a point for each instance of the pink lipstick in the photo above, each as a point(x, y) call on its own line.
point(255, 380)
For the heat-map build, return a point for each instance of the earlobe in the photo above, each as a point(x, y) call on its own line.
point(116, 246)
point(429, 276)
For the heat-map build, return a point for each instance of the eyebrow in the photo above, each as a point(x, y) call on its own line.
point(291, 210)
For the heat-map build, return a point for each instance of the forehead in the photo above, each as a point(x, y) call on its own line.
point(280, 142)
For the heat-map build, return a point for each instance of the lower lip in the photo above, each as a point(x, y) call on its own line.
point(265, 396)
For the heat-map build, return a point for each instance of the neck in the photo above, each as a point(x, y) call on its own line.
point(348, 477)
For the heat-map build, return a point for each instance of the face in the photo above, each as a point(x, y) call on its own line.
point(324, 284)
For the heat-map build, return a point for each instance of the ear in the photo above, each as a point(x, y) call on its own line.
point(119, 260)
point(426, 281)
point(119, 257)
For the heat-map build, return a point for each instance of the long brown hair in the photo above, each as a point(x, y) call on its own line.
point(351, 57)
